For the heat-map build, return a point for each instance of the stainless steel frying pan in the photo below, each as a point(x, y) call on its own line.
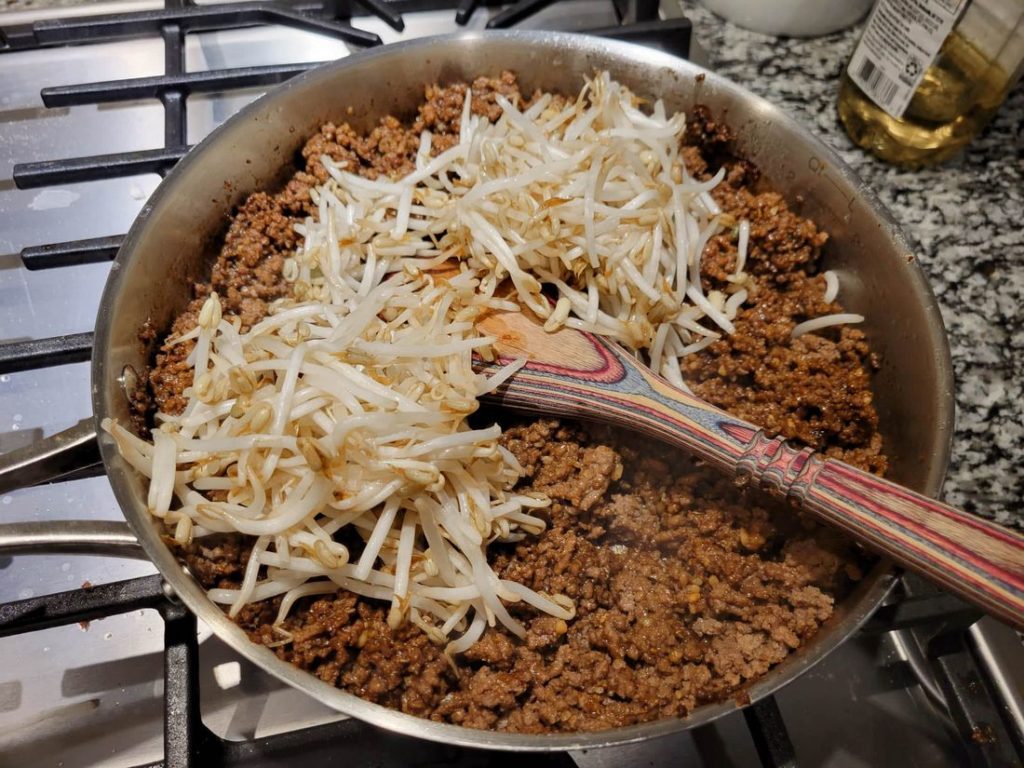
point(175, 237)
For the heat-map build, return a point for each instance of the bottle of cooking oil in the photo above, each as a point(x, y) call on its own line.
point(928, 74)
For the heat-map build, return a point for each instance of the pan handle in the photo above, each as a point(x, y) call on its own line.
point(70, 537)
point(50, 459)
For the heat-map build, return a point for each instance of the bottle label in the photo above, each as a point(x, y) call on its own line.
point(898, 46)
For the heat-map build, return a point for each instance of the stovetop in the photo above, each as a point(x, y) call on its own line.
point(95, 693)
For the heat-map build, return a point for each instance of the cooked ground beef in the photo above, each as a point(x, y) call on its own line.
point(686, 588)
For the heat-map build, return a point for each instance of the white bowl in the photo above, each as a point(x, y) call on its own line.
point(795, 18)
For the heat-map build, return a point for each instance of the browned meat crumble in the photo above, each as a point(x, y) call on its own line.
point(686, 588)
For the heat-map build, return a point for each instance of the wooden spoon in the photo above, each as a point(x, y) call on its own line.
point(579, 375)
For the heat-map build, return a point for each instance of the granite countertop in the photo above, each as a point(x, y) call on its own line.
point(967, 220)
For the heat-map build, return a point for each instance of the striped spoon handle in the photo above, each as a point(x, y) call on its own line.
point(575, 374)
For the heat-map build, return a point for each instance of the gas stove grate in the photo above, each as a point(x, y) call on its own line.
point(938, 621)
point(330, 17)
point(183, 16)
point(188, 743)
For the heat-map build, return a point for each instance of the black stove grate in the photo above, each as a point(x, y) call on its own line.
point(936, 620)
point(183, 16)
point(639, 24)
point(188, 743)
point(939, 622)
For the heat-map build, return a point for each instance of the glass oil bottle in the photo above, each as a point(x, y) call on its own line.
point(927, 75)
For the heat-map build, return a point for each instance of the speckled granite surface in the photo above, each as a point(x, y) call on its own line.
point(967, 218)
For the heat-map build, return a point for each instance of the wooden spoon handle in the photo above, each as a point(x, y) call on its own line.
point(583, 376)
